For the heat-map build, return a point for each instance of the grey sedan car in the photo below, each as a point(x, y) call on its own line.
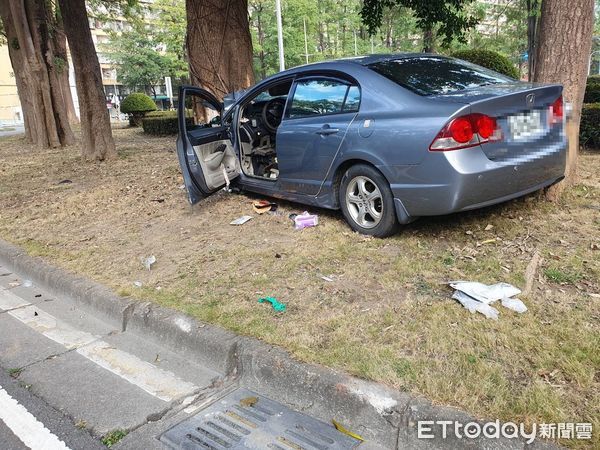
point(385, 138)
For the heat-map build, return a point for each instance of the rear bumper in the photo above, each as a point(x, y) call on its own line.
point(448, 182)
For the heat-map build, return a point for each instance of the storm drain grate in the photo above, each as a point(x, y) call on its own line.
point(244, 419)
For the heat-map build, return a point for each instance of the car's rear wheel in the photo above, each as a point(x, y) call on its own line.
point(367, 201)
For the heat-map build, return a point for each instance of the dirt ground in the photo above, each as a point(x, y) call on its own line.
point(386, 314)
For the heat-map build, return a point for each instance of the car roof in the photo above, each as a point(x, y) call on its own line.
point(365, 60)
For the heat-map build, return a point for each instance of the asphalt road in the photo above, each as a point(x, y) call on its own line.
point(68, 378)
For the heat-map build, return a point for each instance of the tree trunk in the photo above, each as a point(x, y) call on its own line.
point(219, 45)
point(428, 40)
point(61, 52)
point(532, 20)
point(564, 44)
point(30, 27)
point(97, 141)
point(261, 39)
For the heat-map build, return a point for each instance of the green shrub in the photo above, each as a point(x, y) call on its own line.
point(137, 105)
point(161, 114)
point(593, 79)
point(492, 60)
point(589, 130)
point(592, 90)
point(163, 124)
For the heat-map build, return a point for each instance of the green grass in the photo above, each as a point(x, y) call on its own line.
point(562, 276)
point(113, 437)
point(387, 315)
point(15, 372)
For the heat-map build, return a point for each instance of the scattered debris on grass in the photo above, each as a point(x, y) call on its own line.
point(240, 220)
point(477, 297)
point(263, 206)
point(273, 301)
point(530, 272)
point(101, 224)
point(137, 284)
point(147, 262)
point(305, 220)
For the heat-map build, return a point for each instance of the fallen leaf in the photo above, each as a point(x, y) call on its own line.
point(249, 401)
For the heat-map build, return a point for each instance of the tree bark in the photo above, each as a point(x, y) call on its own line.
point(428, 40)
point(532, 21)
point(219, 45)
point(97, 141)
point(61, 52)
point(564, 44)
point(30, 27)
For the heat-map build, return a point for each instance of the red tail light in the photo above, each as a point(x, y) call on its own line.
point(466, 131)
point(556, 111)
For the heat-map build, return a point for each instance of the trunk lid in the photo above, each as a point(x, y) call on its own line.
point(522, 111)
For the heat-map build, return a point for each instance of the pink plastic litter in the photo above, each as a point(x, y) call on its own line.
point(305, 220)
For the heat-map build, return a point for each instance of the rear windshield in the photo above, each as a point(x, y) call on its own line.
point(431, 75)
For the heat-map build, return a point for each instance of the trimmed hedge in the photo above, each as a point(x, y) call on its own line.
point(137, 105)
point(492, 60)
point(592, 90)
point(162, 123)
point(589, 129)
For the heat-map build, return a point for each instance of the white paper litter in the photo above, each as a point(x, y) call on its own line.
point(240, 220)
point(477, 297)
point(147, 262)
point(486, 293)
point(27, 283)
point(476, 306)
point(515, 304)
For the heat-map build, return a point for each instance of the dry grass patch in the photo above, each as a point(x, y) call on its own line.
point(387, 314)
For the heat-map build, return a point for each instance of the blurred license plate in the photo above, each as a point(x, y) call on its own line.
point(523, 126)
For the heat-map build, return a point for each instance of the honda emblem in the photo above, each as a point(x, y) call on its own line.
point(530, 99)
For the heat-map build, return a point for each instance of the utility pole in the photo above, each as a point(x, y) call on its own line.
point(305, 41)
point(355, 46)
point(280, 35)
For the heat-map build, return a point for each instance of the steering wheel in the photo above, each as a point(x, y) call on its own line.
point(272, 113)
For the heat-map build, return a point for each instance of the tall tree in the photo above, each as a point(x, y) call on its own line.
point(532, 23)
point(97, 141)
point(38, 59)
point(219, 45)
point(445, 18)
point(565, 40)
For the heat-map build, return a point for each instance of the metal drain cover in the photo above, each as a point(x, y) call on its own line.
point(246, 420)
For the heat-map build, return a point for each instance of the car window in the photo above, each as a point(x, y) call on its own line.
point(352, 99)
point(431, 75)
point(318, 97)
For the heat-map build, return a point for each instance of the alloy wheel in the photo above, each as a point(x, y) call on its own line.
point(364, 202)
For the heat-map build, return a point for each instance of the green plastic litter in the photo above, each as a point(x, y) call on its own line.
point(273, 301)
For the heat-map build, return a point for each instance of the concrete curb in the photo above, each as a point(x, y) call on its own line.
point(378, 413)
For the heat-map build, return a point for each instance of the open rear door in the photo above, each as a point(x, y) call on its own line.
point(206, 155)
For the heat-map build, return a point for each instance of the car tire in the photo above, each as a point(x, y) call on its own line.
point(367, 201)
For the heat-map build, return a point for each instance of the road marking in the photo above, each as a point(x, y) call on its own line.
point(158, 382)
point(8, 300)
point(52, 328)
point(25, 426)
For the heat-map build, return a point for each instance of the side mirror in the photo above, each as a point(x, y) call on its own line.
point(215, 121)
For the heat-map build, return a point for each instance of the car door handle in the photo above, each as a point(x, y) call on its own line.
point(327, 131)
